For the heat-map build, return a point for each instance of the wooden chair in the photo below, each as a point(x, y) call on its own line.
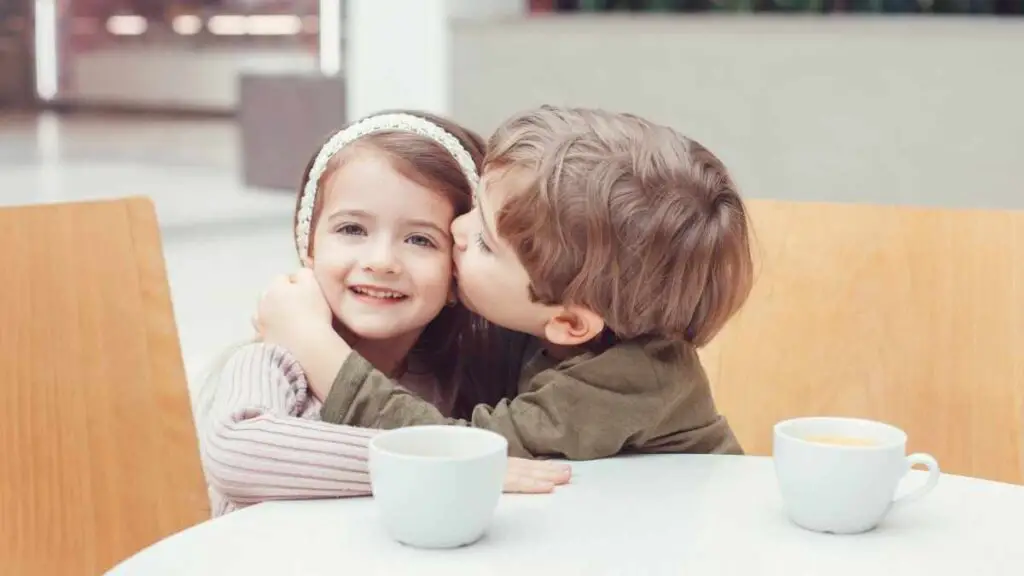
point(100, 457)
point(909, 315)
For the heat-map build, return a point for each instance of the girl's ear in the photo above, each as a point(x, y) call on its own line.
point(453, 295)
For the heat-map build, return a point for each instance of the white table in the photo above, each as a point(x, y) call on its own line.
point(699, 515)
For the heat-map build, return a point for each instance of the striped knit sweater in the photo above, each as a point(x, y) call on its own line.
point(261, 438)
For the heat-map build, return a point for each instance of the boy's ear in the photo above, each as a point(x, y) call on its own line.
point(573, 326)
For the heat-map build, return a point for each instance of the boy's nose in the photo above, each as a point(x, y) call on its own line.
point(458, 232)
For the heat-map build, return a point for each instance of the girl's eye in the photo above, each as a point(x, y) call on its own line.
point(481, 244)
point(420, 240)
point(351, 230)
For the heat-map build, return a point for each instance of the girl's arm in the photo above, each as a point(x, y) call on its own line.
point(255, 446)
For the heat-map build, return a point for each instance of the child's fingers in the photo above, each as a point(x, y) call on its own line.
point(527, 485)
point(553, 472)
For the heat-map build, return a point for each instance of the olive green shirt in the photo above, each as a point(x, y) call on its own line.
point(639, 396)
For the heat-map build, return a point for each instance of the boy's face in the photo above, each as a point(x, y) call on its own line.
point(490, 279)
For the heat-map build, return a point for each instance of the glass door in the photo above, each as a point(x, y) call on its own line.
point(16, 55)
point(169, 54)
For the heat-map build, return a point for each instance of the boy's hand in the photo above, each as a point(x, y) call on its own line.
point(294, 314)
point(535, 476)
point(290, 308)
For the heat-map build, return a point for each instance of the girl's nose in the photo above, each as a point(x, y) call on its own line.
point(380, 258)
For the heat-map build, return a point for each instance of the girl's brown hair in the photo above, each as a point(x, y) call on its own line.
point(427, 163)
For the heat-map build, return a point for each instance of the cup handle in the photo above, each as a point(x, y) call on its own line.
point(933, 477)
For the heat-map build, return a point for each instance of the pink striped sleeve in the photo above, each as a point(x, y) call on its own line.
point(255, 446)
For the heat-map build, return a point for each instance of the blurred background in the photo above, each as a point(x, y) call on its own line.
point(212, 107)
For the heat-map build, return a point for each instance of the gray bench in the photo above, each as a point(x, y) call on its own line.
point(284, 118)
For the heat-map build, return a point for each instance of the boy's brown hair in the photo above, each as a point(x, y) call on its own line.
point(625, 217)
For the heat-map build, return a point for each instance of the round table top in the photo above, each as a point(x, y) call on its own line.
point(663, 514)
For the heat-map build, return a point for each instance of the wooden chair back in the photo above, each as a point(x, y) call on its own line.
point(100, 457)
point(914, 316)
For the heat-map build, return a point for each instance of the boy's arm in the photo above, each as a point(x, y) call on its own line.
point(255, 447)
point(558, 416)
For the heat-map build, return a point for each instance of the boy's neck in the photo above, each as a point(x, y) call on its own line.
point(560, 353)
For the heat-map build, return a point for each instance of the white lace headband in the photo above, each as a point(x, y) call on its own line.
point(379, 123)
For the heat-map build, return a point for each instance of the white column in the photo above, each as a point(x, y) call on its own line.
point(398, 52)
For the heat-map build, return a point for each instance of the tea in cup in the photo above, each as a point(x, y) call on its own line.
point(841, 440)
point(840, 475)
point(437, 486)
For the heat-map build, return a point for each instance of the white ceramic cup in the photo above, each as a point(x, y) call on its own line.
point(844, 488)
point(437, 486)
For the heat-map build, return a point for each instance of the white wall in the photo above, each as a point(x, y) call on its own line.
point(896, 110)
point(398, 52)
point(175, 77)
point(396, 55)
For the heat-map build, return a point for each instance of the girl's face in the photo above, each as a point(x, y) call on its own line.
point(382, 251)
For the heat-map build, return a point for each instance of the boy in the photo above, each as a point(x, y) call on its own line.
point(619, 245)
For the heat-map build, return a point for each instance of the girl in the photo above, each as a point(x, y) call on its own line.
point(372, 225)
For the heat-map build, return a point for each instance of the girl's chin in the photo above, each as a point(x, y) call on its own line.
point(359, 330)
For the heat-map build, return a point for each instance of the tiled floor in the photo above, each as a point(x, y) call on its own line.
point(222, 241)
